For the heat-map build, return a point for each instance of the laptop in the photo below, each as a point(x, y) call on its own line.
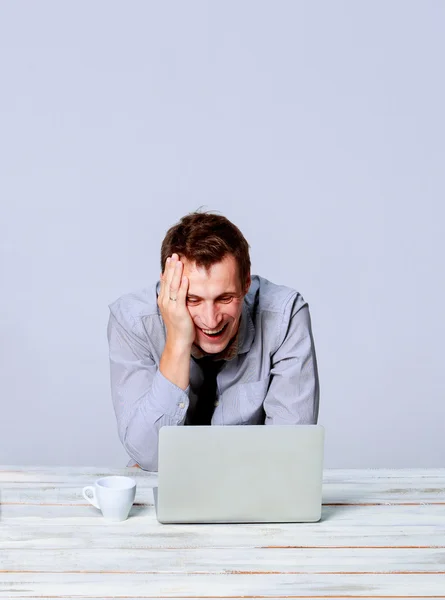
point(240, 474)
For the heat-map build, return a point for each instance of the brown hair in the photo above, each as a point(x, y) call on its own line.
point(206, 239)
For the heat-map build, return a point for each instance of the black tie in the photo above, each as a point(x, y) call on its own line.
point(207, 393)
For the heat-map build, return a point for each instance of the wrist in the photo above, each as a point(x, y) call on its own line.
point(177, 348)
point(175, 363)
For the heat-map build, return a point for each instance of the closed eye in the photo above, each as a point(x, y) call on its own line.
point(224, 299)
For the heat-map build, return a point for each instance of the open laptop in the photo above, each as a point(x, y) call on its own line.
point(240, 474)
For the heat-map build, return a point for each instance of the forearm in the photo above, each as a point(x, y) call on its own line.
point(164, 404)
point(292, 404)
point(144, 400)
point(175, 363)
point(142, 436)
point(293, 395)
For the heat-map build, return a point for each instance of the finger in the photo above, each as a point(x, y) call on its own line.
point(176, 279)
point(162, 280)
point(166, 277)
point(167, 262)
point(183, 289)
point(170, 271)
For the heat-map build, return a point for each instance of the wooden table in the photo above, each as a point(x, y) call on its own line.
point(382, 535)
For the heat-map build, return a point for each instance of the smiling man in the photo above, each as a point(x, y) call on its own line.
point(209, 344)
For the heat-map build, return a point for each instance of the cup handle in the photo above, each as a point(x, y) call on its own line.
point(92, 500)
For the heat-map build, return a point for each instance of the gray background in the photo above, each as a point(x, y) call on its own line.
point(317, 127)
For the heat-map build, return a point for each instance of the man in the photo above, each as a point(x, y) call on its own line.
point(208, 344)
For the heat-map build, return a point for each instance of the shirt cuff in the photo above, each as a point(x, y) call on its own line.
point(169, 398)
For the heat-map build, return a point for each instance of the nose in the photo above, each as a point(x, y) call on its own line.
point(210, 316)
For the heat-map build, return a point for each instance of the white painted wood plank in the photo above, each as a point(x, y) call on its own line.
point(63, 485)
point(38, 474)
point(165, 585)
point(60, 474)
point(62, 493)
point(230, 560)
point(66, 493)
point(391, 515)
point(381, 474)
point(142, 534)
point(28, 470)
point(333, 493)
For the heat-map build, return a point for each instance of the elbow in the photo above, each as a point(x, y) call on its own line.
point(146, 455)
point(151, 466)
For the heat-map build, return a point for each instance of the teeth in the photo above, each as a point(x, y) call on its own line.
point(210, 331)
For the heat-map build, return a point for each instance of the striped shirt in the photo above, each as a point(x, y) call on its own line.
point(272, 378)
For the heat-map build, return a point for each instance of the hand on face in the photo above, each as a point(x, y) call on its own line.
point(172, 303)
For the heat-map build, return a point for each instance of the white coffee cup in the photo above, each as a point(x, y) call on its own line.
point(113, 495)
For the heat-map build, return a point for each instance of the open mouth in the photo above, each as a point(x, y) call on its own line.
point(216, 334)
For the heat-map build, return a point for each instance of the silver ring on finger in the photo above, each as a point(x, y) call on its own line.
point(172, 299)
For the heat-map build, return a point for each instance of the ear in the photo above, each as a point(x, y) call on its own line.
point(247, 286)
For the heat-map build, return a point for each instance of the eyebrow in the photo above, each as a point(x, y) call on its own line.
point(220, 296)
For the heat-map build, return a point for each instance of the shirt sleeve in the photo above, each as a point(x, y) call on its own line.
point(143, 399)
point(293, 394)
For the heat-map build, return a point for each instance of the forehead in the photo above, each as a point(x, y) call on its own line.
point(221, 277)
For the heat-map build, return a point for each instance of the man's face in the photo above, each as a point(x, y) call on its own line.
point(215, 302)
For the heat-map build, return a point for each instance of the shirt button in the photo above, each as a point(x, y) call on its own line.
point(181, 405)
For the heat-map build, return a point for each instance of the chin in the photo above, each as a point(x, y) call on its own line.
point(213, 349)
point(209, 347)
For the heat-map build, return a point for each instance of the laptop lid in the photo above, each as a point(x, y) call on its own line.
point(240, 474)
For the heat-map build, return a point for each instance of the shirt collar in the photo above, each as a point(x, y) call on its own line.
point(246, 330)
